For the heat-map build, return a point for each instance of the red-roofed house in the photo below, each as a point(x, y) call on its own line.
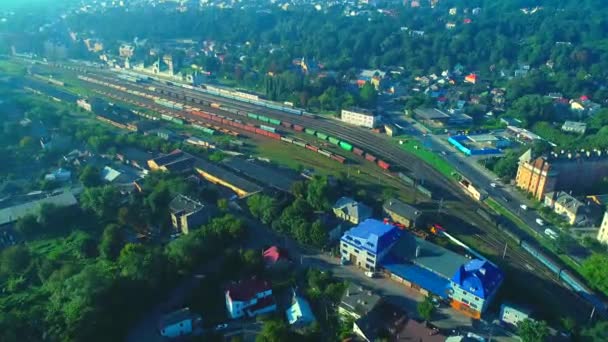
point(250, 297)
point(471, 78)
point(273, 255)
point(584, 98)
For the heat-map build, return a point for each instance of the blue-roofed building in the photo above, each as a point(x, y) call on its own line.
point(474, 286)
point(422, 265)
point(366, 244)
point(299, 314)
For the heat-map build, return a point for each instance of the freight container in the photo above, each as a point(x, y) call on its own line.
point(384, 164)
point(370, 157)
point(253, 116)
point(287, 139)
point(263, 118)
point(299, 143)
point(286, 124)
point(310, 131)
point(166, 117)
point(346, 146)
point(325, 153)
point(268, 128)
point(321, 136)
point(334, 140)
point(298, 128)
point(215, 105)
point(178, 121)
point(312, 148)
point(338, 158)
point(358, 151)
point(274, 121)
point(274, 136)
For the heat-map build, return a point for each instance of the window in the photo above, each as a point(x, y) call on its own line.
point(465, 301)
point(344, 245)
point(370, 260)
point(473, 306)
point(356, 250)
point(370, 266)
point(371, 254)
point(344, 251)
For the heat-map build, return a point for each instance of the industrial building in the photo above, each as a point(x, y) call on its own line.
point(579, 171)
point(366, 244)
point(422, 265)
point(439, 118)
point(360, 117)
point(474, 286)
point(602, 235)
point(401, 213)
point(176, 161)
point(217, 175)
point(12, 214)
point(352, 211)
point(478, 145)
point(187, 213)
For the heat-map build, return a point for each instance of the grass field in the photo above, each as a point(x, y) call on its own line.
point(429, 157)
point(11, 68)
point(365, 174)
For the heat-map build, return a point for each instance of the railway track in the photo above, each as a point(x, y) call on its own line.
point(380, 146)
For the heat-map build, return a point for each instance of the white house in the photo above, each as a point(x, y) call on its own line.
point(360, 117)
point(250, 297)
point(178, 323)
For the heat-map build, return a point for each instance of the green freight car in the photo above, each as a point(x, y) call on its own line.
point(274, 121)
point(253, 116)
point(178, 121)
point(321, 136)
point(334, 140)
point(263, 118)
point(268, 128)
point(310, 131)
point(346, 146)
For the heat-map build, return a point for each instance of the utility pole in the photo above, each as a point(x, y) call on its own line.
point(440, 208)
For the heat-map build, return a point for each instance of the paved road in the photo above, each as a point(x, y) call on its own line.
point(481, 178)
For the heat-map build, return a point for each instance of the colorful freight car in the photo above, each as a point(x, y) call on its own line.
point(274, 121)
point(334, 140)
point(310, 131)
point(321, 136)
point(268, 128)
point(345, 146)
point(384, 165)
point(253, 116)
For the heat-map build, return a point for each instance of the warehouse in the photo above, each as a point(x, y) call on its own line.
point(223, 177)
point(269, 176)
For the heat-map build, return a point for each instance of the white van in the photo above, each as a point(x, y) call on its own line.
point(524, 207)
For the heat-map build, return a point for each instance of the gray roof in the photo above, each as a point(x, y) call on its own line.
point(175, 317)
point(353, 208)
point(431, 113)
point(183, 204)
point(401, 208)
point(12, 214)
point(568, 202)
point(430, 256)
point(359, 299)
point(227, 176)
point(282, 180)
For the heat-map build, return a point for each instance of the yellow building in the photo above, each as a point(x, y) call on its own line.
point(602, 235)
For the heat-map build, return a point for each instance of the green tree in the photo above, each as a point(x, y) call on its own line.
point(318, 234)
point(595, 270)
point(318, 194)
point(28, 226)
point(14, 260)
point(222, 204)
point(533, 331)
point(263, 207)
point(426, 309)
point(103, 201)
point(141, 263)
point(273, 331)
point(596, 333)
point(112, 241)
point(368, 95)
point(90, 177)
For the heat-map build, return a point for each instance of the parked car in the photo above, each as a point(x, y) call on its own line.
point(524, 207)
point(540, 222)
point(371, 274)
point(551, 233)
point(493, 185)
point(221, 326)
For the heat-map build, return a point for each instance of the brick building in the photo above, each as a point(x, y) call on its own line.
point(578, 171)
